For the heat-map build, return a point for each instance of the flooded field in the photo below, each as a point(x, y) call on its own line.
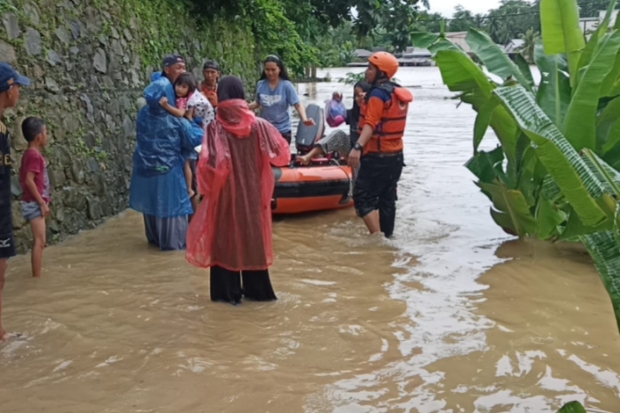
point(452, 316)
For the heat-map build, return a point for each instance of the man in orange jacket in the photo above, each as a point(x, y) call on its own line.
point(379, 150)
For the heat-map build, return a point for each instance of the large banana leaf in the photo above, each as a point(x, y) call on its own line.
point(561, 32)
point(487, 166)
point(495, 60)
point(607, 88)
point(548, 219)
point(554, 92)
point(524, 67)
point(608, 129)
point(461, 74)
point(580, 121)
point(606, 175)
point(593, 43)
point(510, 209)
point(576, 181)
point(483, 120)
point(423, 40)
point(443, 44)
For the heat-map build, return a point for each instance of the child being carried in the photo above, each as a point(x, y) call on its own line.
point(190, 104)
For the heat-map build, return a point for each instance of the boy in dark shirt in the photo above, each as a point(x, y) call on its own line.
point(35, 184)
point(10, 82)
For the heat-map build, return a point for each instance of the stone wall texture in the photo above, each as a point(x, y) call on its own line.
point(89, 62)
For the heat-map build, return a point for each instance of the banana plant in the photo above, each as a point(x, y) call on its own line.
point(589, 185)
point(576, 92)
point(555, 173)
point(511, 175)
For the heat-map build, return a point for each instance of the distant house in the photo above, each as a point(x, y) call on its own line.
point(614, 16)
point(458, 38)
point(362, 54)
point(513, 47)
point(588, 24)
point(416, 57)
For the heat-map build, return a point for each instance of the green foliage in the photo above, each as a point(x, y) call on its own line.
point(6, 6)
point(275, 33)
point(572, 407)
point(553, 175)
point(318, 32)
point(511, 20)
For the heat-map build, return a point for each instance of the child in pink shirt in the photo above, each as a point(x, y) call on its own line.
point(36, 188)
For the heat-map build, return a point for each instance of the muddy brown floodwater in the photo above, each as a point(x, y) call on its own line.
point(452, 316)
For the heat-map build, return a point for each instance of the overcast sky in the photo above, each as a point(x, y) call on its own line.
point(446, 7)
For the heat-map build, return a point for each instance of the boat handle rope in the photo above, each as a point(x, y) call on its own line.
point(350, 178)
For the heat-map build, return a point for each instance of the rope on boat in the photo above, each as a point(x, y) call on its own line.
point(349, 177)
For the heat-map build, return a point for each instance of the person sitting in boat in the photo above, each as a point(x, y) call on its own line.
point(231, 231)
point(338, 141)
point(335, 111)
point(275, 94)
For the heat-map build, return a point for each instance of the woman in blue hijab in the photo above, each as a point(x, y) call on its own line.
point(158, 186)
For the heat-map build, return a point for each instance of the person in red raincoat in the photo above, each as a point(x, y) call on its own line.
point(231, 231)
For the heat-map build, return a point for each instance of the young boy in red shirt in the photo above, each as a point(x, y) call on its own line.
point(10, 82)
point(36, 186)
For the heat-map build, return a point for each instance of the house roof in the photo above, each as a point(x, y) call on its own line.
point(417, 53)
point(362, 53)
point(514, 45)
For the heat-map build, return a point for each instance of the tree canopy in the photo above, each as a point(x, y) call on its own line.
point(327, 32)
point(317, 31)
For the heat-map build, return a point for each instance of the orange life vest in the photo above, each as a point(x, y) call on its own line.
point(388, 135)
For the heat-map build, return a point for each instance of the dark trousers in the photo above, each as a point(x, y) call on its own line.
point(226, 285)
point(375, 188)
point(288, 136)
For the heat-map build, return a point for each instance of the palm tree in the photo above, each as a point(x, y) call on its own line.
point(529, 38)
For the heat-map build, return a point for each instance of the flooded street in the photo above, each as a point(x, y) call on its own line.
point(452, 316)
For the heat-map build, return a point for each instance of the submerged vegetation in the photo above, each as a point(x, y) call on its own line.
point(554, 174)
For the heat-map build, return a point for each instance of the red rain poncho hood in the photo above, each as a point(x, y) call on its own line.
point(232, 226)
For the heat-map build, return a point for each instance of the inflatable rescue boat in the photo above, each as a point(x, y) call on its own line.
point(325, 184)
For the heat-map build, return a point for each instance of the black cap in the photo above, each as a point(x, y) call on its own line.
point(211, 64)
point(173, 59)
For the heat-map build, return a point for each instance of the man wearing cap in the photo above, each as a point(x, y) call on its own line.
point(174, 65)
point(158, 186)
point(211, 71)
point(10, 82)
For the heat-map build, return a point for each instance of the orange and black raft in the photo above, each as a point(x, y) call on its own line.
point(325, 184)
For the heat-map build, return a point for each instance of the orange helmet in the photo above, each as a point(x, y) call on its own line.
point(385, 62)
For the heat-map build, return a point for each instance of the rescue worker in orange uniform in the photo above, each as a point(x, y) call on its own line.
point(379, 150)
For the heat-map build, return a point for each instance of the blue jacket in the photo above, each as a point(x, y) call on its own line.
point(158, 184)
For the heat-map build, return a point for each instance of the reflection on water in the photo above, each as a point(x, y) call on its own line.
point(452, 316)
